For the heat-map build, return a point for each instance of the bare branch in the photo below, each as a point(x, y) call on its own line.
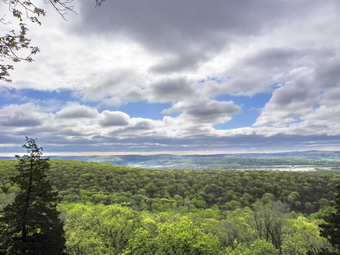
point(62, 7)
point(99, 2)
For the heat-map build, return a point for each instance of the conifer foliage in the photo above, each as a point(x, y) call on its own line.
point(31, 224)
point(331, 229)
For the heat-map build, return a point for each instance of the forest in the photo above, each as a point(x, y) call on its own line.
point(108, 209)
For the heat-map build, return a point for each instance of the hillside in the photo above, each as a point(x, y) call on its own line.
point(152, 189)
point(109, 209)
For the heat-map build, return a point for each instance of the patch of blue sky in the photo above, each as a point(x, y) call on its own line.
point(20, 96)
point(50, 99)
point(145, 110)
point(10, 96)
point(60, 95)
point(296, 120)
point(250, 110)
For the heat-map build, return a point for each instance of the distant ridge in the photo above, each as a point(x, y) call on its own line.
point(280, 161)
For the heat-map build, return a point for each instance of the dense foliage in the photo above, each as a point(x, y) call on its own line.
point(109, 209)
point(115, 229)
point(161, 190)
point(331, 228)
point(31, 225)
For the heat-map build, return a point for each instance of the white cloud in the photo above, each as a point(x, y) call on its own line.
point(186, 53)
point(115, 118)
point(76, 111)
point(20, 116)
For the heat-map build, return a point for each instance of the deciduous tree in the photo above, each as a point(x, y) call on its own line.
point(269, 219)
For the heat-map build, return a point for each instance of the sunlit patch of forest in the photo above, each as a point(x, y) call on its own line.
point(109, 209)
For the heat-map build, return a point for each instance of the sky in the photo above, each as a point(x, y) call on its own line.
point(193, 76)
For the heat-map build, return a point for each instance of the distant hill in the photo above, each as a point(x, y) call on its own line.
point(306, 160)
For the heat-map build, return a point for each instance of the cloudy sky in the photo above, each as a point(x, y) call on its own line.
point(179, 76)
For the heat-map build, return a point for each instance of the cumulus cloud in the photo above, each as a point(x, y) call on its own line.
point(185, 54)
point(76, 111)
point(143, 124)
point(115, 118)
point(24, 115)
point(202, 112)
point(288, 104)
point(114, 130)
point(304, 91)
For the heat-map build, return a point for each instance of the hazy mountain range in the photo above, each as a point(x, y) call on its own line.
point(307, 160)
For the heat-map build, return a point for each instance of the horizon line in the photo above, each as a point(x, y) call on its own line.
point(183, 153)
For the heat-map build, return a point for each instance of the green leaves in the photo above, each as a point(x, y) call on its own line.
point(183, 237)
point(140, 211)
point(99, 229)
point(114, 229)
point(303, 236)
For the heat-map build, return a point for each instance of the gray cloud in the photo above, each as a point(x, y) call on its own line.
point(71, 133)
point(21, 121)
point(24, 115)
point(331, 97)
point(257, 72)
point(140, 126)
point(190, 131)
point(328, 74)
point(288, 95)
point(288, 104)
point(186, 53)
point(276, 58)
point(250, 143)
point(308, 92)
point(273, 58)
point(205, 111)
point(171, 89)
point(186, 61)
point(187, 30)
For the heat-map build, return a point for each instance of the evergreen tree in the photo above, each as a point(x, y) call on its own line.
point(331, 229)
point(31, 225)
